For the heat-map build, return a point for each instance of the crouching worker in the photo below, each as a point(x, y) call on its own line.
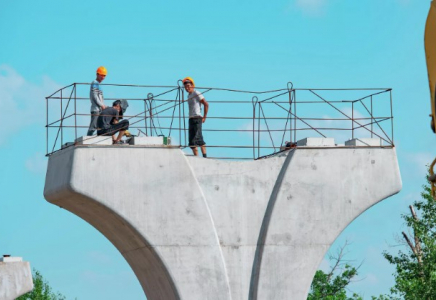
point(108, 123)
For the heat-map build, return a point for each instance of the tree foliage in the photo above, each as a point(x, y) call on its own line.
point(415, 267)
point(41, 290)
point(333, 285)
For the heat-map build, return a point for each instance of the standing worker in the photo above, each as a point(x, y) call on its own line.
point(195, 99)
point(96, 97)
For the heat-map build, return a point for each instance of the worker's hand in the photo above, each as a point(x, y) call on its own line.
point(103, 106)
point(204, 119)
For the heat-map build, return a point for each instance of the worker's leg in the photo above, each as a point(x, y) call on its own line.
point(121, 127)
point(195, 151)
point(120, 135)
point(203, 150)
point(93, 123)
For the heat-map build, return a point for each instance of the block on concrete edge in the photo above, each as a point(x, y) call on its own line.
point(94, 140)
point(316, 142)
point(147, 140)
point(362, 142)
point(10, 259)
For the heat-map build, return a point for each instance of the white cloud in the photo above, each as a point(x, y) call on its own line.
point(37, 163)
point(311, 7)
point(22, 101)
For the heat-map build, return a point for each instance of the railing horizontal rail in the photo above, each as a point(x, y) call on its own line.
point(260, 122)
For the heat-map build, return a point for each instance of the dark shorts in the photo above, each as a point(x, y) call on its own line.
point(122, 125)
point(195, 133)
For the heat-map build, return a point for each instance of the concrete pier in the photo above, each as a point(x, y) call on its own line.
point(194, 228)
point(15, 278)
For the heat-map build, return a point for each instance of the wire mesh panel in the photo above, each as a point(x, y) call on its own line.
point(239, 124)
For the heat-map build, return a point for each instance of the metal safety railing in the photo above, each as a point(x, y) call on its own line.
point(239, 125)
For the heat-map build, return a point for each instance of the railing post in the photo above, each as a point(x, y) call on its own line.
point(258, 132)
point(372, 120)
point(392, 117)
point(61, 124)
point(180, 114)
point(290, 87)
point(150, 102)
point(46, 125)
point(184, 119)
point(75, 112)
point(145, 117)
point(254, 101)
point(295, 116)
point(352, 120)
point(180, 95)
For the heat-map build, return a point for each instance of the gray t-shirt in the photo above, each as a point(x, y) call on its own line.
point(96, 96)
point(194, 99)
point(106, 117)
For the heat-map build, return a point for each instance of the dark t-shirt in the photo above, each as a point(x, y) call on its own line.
point(106, 117)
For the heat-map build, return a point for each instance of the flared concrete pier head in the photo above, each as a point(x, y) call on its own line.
point(195, 228)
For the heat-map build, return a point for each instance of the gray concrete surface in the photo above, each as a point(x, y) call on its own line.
point(194, 228)
point(15, 279)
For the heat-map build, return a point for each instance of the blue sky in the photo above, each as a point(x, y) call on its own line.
point(253, 45)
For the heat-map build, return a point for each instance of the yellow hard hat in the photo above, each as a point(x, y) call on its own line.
point(188, 79)
point(102, 71)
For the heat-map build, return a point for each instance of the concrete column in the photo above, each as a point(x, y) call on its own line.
point(194, 228)
point(15, 278)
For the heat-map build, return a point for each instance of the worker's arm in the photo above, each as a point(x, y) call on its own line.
point(206, 108)
point(97, 96)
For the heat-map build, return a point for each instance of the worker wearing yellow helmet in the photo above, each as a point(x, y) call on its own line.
point(97, 100)
point(195, 101)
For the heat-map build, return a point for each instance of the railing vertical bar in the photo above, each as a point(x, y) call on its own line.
point(258, 133)
point(295, 117)
point(392, 118)
point(75, 112)
point(372, 118)
point(151, 116)
point(254, 118)
point(180, 112)
point(352, 120)
point(184, 118)
point(289, 116)
point(62, 120)
point(254, 102)
point(46, 125)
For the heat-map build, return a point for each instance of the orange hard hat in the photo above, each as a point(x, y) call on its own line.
point(188, 79)
point(102, 71)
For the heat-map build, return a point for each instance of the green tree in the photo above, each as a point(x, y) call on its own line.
point(41, 290)
point(333, 285)
point(415, 267)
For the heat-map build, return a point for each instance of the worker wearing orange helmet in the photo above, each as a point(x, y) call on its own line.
point(195, 101)
point(97, 101)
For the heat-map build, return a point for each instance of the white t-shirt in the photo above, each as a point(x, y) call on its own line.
point(194, 99)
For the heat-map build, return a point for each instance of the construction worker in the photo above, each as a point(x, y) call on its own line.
point(96, 97)
point(195, 100)
point(108, 122)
